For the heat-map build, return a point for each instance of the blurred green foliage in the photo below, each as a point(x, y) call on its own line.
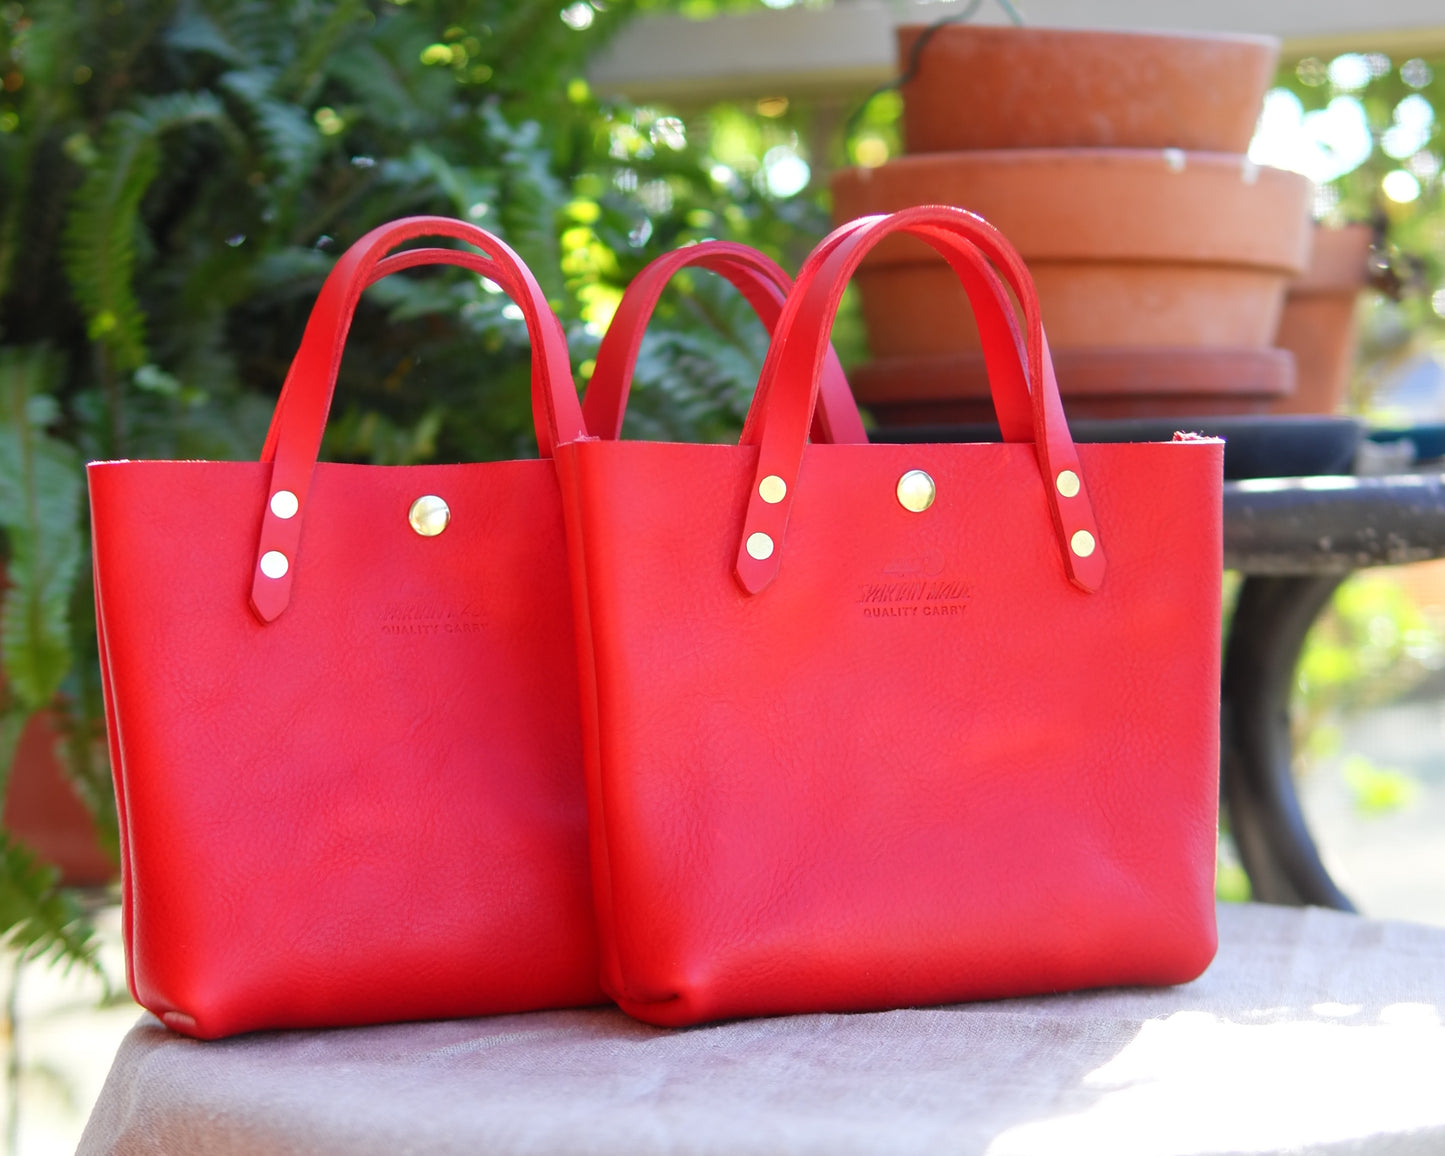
point(1398, 185)
point(1378, 790)
point(1372, 646)
point(1231, 883)
point(1390, 93)
point(1375, 645)
point(176, 179)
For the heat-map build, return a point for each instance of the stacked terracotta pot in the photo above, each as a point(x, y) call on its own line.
point(43, 811)
point(1115, 163)
point(1319, 324)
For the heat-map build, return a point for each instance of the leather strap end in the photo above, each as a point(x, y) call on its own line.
point(1087, 573)
point(1072, 511)
point(760, 550)
point(275, 564)
point(1070, 505)
point(269, 596)
point(754, 576)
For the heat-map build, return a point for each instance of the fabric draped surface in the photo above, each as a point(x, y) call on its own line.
point(1313, 1031)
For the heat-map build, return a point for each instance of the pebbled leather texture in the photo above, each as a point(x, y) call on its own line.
point(370, 809)
point(922, 763)
point(367, 805)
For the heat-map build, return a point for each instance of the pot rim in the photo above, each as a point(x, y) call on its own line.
point(1040, 32)
point(1110, 204)
point(1208, 158)
point(1212, 371)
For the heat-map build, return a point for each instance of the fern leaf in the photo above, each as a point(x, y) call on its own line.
point(466, 187)
point(289, 138)
point(531, 198)
point(100, 232)
point(40, 489)
point(37, 917)
point(696, 381)
point(100, 244)
point(195, 31)
point(252, 30)
point(306, 73)
point(292, 272)
point(83, 754)
point(377, 72)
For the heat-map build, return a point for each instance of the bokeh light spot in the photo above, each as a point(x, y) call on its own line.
point(1400, 186)
point(785, 173)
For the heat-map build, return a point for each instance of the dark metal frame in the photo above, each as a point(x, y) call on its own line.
point(1271, 618)
point(1296, 540)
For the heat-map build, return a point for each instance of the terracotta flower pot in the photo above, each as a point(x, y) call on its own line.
point(1318, 323)
point(1094, 383)
point(997, 87)
point(1128, 247)
point(43, 811)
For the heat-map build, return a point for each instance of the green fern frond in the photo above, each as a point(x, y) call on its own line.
point(365, 435)
point(466, 187)
point(248, 33)
point(695, 379)
point(195, 31)
point(50, 36)
point(99, 248)
point(305, 75)
point(40, 490)
point(38, 918)
point(531, 198)
point(291, 273)
point(378, 72)
point(290, 140)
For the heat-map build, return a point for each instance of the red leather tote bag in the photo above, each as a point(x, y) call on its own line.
point(877, 725)
point(343, 714)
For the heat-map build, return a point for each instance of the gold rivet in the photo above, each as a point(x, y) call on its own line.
point(1082, 543)
point(429, 515)
point(274, 564)
point(1068, 483)
point(760, 546)
point(284, 504)
point(772, 489)
point(916, 491)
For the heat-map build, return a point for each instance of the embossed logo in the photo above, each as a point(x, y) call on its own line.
point(914, 588)
point(415, 618)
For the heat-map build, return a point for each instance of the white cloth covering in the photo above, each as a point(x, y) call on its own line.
point(1313, 1032)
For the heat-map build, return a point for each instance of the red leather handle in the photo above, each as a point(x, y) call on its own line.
point(1003, 345)
point(410, 259)
point(792, 373)
point(762, 281)
point(295, 440)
